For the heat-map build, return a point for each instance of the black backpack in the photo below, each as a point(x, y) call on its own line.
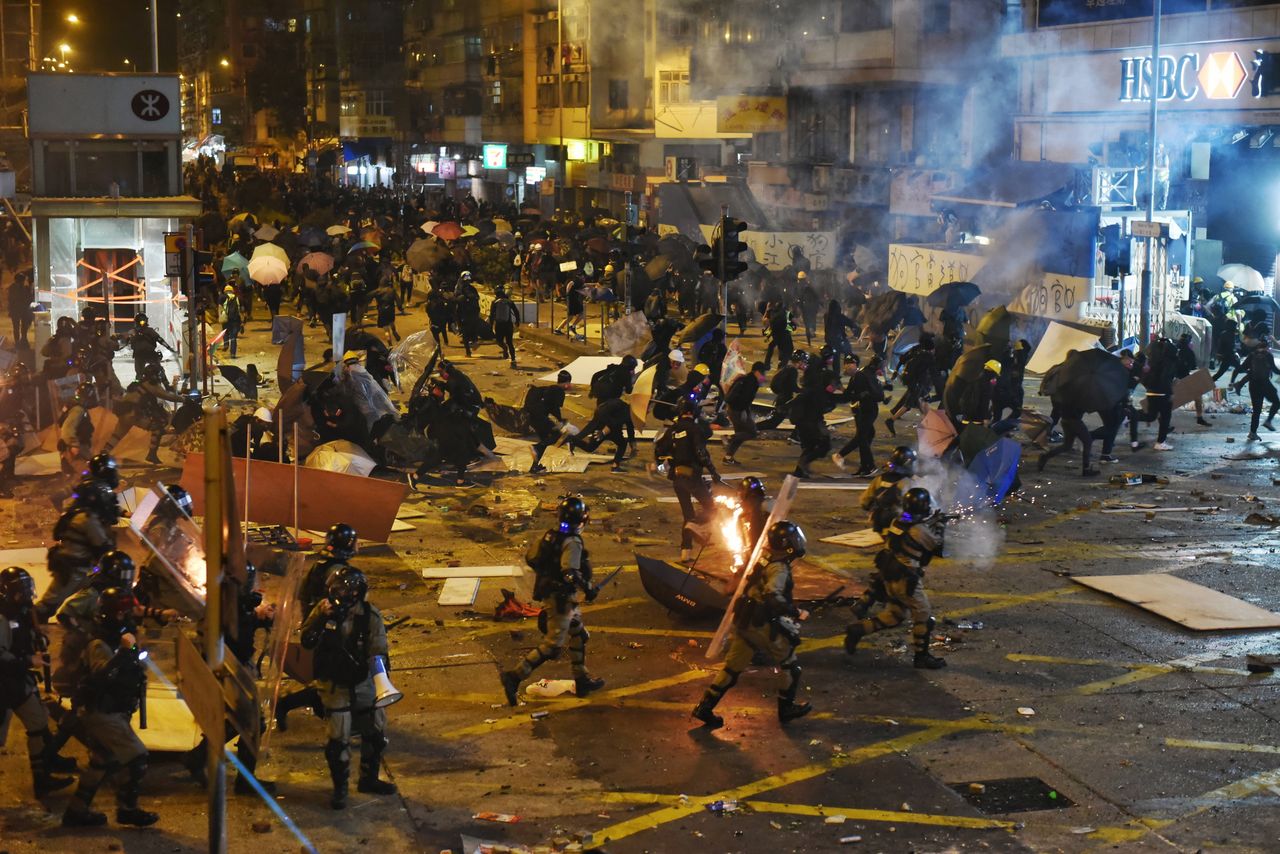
point(543, 557)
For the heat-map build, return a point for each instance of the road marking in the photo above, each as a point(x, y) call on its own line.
point(668, 814)
point(850, 813)
point(1221, 745)
point(1140, 671)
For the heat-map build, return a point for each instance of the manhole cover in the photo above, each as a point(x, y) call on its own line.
point(1012, 794)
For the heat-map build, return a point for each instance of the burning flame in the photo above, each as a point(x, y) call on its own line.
point(731, 529)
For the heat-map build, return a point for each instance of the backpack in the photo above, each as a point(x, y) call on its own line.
point(543, 557)
point(604, 384)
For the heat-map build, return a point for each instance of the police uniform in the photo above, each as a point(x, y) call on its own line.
point(313, 591)
point(82, 537)
point(562, 573)
point(343, 644)
point(19, 642)
point(883, 499)
point(686, 444)
point(140, 406)
point(909, 547)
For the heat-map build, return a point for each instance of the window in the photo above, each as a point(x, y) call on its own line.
point(673, 87)
point(376, 103)
point(618, 94)
point(474, 47)
point(857, 16)
point(215, 116)
point(495, 95)
point(675, 26)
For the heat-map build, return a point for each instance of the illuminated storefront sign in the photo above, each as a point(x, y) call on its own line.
point(1215, 76)
point(495, 156)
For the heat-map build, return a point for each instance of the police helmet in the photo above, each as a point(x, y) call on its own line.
point(86, 394)
point(182, 498)
point(917, 503)
point(347, 587)
point(115, 611)
point(103, 467)
point(786, 538)
point(153, 372)
point(97, 497)
point(573, 514)
point(751, 488)
point(140, 319)
point(17, 587)
point(800, 357)
point(341, 541)
point(114, 569)
point(903, 460)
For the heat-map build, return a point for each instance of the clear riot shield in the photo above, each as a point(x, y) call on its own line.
point(177, 564)
point(281, 644)
point(781, 507)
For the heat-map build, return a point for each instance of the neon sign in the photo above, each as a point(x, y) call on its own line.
point(1219, 76)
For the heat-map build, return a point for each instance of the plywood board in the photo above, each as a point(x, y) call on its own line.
point(1184, 602)
point(473, 572)
point(582, 369)
point(368, 504)
point(864, 539)
point(400, 526)
point(1059, 340)
point(1190, 387)
point(459, 591)
point(170, 725)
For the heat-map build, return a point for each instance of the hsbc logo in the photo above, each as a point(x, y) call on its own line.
point(1217, 76)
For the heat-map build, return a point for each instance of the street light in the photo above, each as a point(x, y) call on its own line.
point(72, 18)
point(224, 62)
point(64, 49)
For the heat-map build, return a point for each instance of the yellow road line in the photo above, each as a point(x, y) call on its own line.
point(668, 814)
point(1221, 745)
point(851, 813)
point(1138, 674)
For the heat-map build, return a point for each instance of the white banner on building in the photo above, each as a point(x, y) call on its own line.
point(1058, 297)
point(923, 269)
point(773, 248)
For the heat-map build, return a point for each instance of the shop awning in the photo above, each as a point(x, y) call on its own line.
point(1012, 185)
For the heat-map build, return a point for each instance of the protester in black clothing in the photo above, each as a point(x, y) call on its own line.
point(1008, 393)
point(542, 407)
point(739, 399)
point(1187, 363)
point(778, 323)
point(1226, 346)
point(438, 311)
point(504, 317)
point(1157, 378)
point(683, 449)
point(918, 369)
point(834, 328)
point(866, 394)
point(712, 354)
point(784, 385)
point(808, 410)
point(1260, 366)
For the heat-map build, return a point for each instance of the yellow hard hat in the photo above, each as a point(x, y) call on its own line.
point(229, 289)
point(993, 366)
point(702, 369)
point(802, 275)
point(351, 356)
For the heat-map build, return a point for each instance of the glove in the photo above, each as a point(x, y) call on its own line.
point(591, 593)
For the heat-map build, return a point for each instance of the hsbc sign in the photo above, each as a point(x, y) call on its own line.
point(1215, 76)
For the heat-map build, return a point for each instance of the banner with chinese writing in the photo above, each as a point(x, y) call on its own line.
point(751, 114)
point(923, 269)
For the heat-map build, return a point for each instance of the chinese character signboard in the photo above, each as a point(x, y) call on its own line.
point(751, 114)
point(495, 156)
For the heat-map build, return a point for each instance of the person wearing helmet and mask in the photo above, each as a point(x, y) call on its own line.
point(346, 632)
point(883, 498)
point(340, 546)
point(682, 447)
point(911, 543)
point(83, 534)
point(174, 542)
point(756, 506)
point(231, 316)
point(21, 646)
point(504, 317)
point(141, 406)
point(75, 429)
point(115, 676)
point(466, 301)
point(144, 342)
point(975, 401)
point(562, 580)
point(778, 327)
point(766, 622)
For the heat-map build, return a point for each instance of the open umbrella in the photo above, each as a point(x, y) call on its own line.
point(267, 232)
point(365, 246)
point(447, 231)
point(236, 261)
point(935, 433)
point(994, 327)
point(1242, 276)
point(425, 254)
point(1090, 380)
point(343, 457)
point(470, 231)
point(1252, 302)
point(500, 224)
point(953, 295)
point(239, 380)
point(696, 328)
point(312, 237)
point(270, 250)
point(994, 471)
point(337, 230)
point(964, 373)
point(318, 262)
point(242, 217)
point(268, 270)
point(684, 591)
point(974, 439)
point(657, 267)
point(428, 227)
point(883, 311)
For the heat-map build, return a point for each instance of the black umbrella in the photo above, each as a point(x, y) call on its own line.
point(953, 295)
point(684, 591)
point(964, 374)
point(513, 419)
point(657, 267)
point(679, 247)
point(1253, 301)
point(884, 311)
point(1090, 380)
point(239, 380)
point(994, 327)
point(696, 328)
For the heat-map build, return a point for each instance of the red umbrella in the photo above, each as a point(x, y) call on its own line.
point(319, 262)
point(447, 231)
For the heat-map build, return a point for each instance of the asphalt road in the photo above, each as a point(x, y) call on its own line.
point(1150, 736)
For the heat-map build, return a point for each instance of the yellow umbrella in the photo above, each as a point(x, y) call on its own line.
point(270, 250)
point(500, 224)
point(241, 217)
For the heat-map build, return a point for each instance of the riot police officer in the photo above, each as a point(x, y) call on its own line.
point(883, 498)
point(115, 677)
point(75, 429)
point(83, 533)
point(340, 545)
point(144, 342)
point(683, 447)
point(140, 406)
point(104, 467)
point(910, 544)
point(347, 633)
point(562, 573)
point(20, 643)
point(766, 622)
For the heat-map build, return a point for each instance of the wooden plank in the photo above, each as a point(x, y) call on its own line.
point(459, 591)
point(366, 503)
point(472, 572)
point(864, 539)
point(1184, 602)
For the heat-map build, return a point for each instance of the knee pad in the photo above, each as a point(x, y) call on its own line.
point(733, 678)
point(137, 768)
point(577, 630)
point(333, 750)
point(552, 654)
point(375, 741)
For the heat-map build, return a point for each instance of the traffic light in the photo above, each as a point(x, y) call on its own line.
point(733, 247)
point(708, 258)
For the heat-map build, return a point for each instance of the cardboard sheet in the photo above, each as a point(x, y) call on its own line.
point(1059, 339)
point(368, 504)
point(582, 369)
point(1184, 602)
point(39, 464)
point(864, 539)
point(511, 571)
point(517, 456)
point(400, 526)
point(459, 591)
point(1192, 386)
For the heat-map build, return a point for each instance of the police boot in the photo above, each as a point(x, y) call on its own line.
point(55, 763)
point(510, 686)
point(927, 661)
point(584, 685)
point(852, 635)
point(127, 810)
point(705, 712)
point(250, 763)
point(339, 771)
point(46, 782)
point(789, 709)
point(195, 761)
point(79, 815)
point(371, 749)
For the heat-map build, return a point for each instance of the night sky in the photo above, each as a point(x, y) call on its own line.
point(109, 31)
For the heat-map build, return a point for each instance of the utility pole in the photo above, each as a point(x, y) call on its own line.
point(721, 262)
point(1148, 269)
point(564, 161)
point(155, 36)
point(215, 529)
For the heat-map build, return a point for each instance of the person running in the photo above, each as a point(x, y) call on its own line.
point(1260, 366)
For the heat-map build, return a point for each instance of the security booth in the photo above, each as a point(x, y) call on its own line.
point(106, 180)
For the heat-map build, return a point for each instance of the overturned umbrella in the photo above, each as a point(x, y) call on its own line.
point(685, 591)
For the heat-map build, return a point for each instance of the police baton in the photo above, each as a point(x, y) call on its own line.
point(608, 578)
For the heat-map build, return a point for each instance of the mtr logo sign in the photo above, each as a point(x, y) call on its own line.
point(1216, 76)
